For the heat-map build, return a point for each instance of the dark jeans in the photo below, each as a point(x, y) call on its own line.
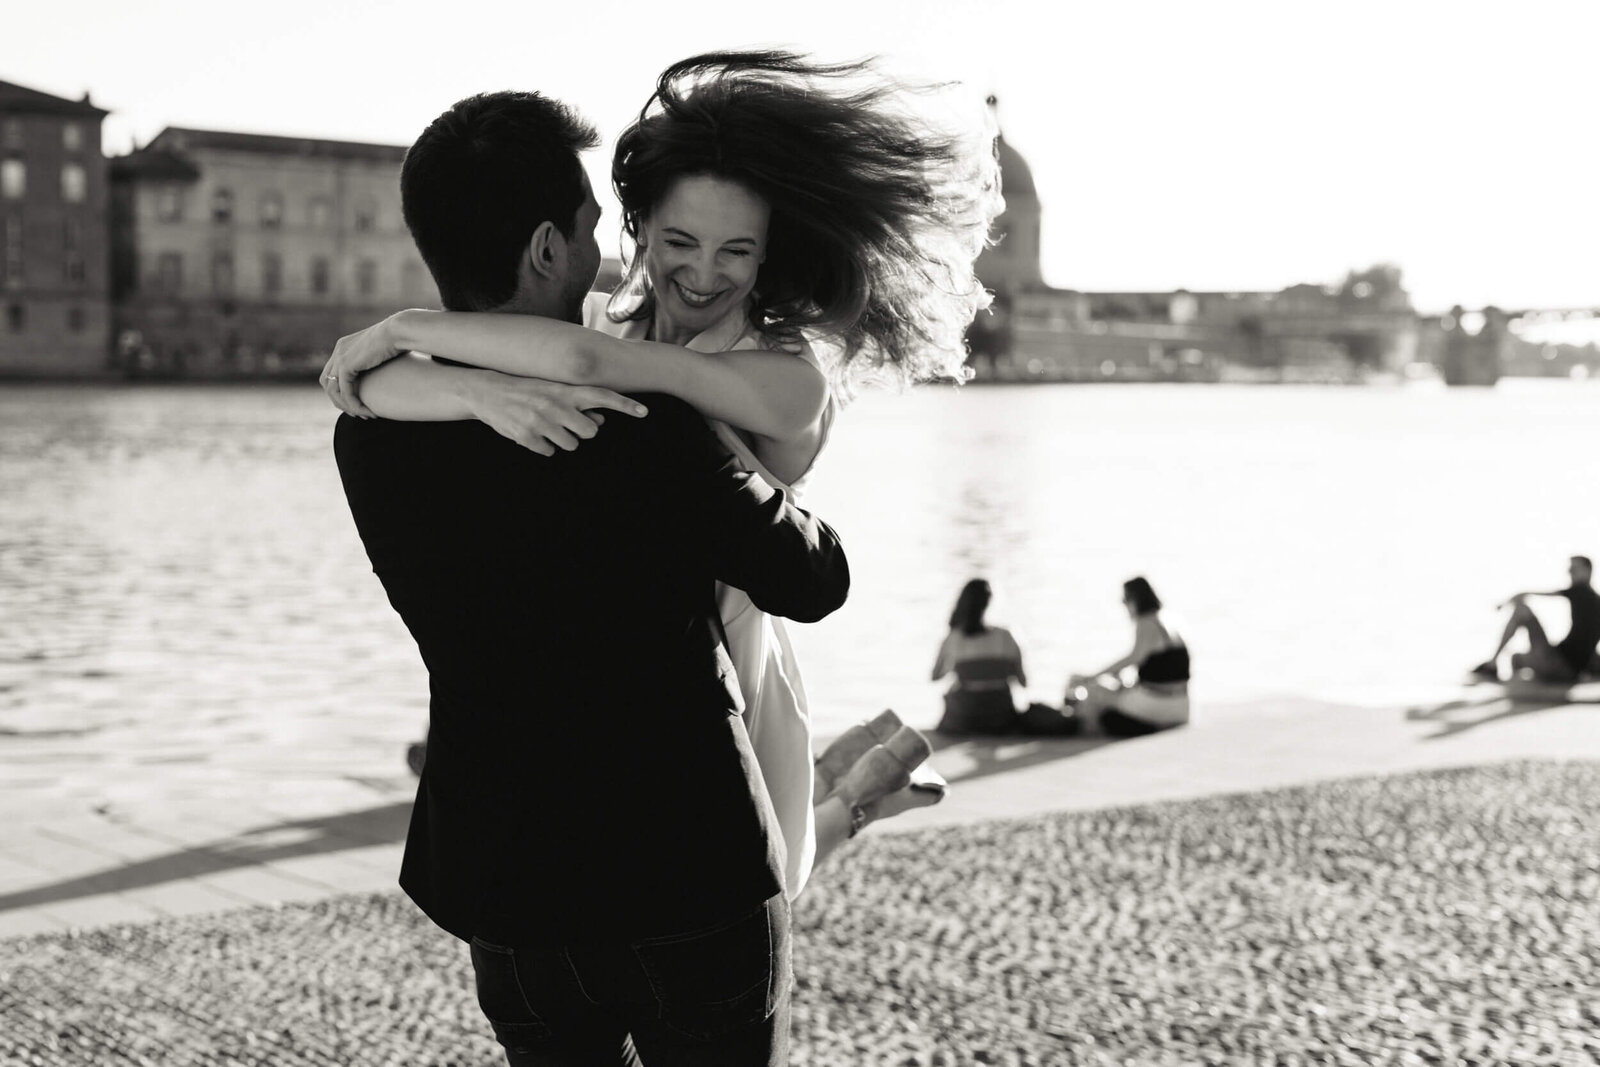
point(717, 995)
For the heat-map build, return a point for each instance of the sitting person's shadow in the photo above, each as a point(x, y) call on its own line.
point(1501, 702)
point(1002, 753)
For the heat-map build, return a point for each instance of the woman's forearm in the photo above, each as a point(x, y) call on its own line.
point(416, 389)
point(1116, 668)
point(529, 346)
point(773, 394)
point(832, 826)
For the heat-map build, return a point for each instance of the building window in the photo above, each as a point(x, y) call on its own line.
point(411, 281)
point(72, 137)
point(367, 277)
point(321, 212)
point(13, 179)
point(74, 183)
point(222, 205)
point(13, 249)
point(74, 269)
point(11, 134)
point(366, 217)
point(271, 210)
point(271, 273)
point(16, 318)
point(222, 273)
point(319, 275)
point(169, 272)
point(75, 319)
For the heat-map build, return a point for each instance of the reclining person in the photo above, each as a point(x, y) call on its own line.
point(1561, 662)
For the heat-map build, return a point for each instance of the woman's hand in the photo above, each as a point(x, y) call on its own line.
point(353, 355)
point(544, 416)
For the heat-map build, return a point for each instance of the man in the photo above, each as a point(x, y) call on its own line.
point(590, 817)
point(1559, 663)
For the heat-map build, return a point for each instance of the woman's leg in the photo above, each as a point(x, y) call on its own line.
point(1091, 703)
point(1115, 723)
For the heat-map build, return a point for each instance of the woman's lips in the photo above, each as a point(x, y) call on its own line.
point(694, 298)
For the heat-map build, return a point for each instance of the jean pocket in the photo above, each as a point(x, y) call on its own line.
point(721, 978)
point(504, 1000)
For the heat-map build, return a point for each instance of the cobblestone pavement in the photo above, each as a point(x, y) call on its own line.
point(1445, 916)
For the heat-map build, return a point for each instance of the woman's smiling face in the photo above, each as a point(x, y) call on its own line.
point(703, 244)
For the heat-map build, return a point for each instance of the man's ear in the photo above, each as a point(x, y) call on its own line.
point(547, 251)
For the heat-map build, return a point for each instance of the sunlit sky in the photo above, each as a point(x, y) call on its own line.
point(1218, 145)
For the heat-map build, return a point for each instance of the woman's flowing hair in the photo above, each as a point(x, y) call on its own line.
point(971, 606)
point(878, 214)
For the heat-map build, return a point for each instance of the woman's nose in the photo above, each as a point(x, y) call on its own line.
point(698, 270)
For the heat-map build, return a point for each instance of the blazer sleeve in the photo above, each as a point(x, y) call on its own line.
point(750, 535)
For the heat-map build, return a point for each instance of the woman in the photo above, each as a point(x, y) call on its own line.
point(985, 660)
point(1159, 699)
point(795, 234)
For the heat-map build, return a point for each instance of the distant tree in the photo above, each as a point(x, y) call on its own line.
point(1250, 328)
point(1364, 349)
point(989, 337)
point(1379, 286)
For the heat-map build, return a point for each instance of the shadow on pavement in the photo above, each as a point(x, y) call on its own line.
point(1008, 752)
point(1497, 703)
point(382, 825)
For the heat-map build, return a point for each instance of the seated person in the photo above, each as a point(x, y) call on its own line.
point(1560, 663)
point(985, 660)
point(1160, 697)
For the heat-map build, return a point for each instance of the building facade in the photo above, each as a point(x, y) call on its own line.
point(55, 312)
point(1302, 333)
point(248, 254)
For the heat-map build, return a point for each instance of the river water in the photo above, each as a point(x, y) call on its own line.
point(178, 560)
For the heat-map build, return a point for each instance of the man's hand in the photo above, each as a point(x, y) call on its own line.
point(355, 354)
point(543, 416)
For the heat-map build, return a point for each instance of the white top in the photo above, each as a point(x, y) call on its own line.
point(776, 713)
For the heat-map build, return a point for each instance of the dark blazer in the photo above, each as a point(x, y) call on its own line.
point(588, 773)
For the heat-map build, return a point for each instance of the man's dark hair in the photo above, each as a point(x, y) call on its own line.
point(481, 178)
point(1585, 561)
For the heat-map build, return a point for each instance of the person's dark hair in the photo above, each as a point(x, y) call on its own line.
point(970, 607)
point(482, 177)
point(877, 216)
point(1585, 561)
point(1143, 598)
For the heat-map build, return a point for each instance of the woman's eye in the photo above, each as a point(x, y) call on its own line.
point(737, 251)
point(679, 244)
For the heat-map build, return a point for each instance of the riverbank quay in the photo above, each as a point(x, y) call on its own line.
point(121, 826)
point(1287, 881)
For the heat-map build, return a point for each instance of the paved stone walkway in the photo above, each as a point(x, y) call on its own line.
point(155, 836)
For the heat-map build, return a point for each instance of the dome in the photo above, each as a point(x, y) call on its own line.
point(1016, 177)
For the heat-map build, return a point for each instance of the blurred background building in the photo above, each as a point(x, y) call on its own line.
point(209, 253)
point(1361, 328)
point(54, 294)
point(237, 253)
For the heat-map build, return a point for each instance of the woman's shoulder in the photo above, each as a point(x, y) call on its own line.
point(597, 317)
point(1158, 632)
point(794, 345)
